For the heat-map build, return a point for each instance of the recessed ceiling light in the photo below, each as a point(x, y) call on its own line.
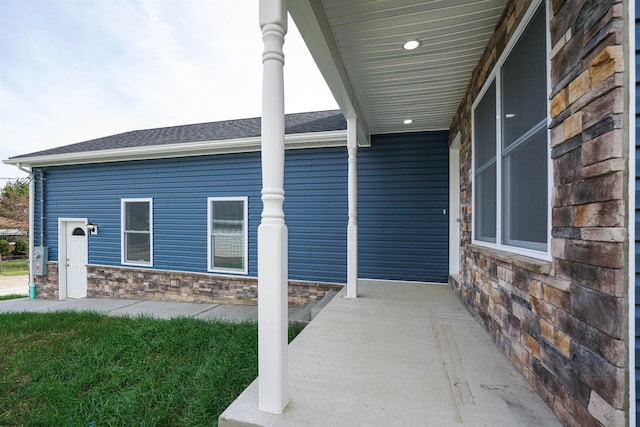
point(407, 121)
point(411, 44)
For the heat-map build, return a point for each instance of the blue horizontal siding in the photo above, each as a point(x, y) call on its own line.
point(402, 186)
point(315, 186)
point(179, 201)
point(316, 214)
point(402, 191)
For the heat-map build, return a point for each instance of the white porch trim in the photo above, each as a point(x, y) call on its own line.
point(272, 232)
point(352, 226)
point(454, 206)
point(310, 16)
point(336, 138)
point(631, 76)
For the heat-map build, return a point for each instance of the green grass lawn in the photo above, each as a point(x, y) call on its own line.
point(14, 267)
point(11, 296)
point(72, 369)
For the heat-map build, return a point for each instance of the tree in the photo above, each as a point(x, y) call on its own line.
point(21, 247)
point(14, 202)
point(5, 248)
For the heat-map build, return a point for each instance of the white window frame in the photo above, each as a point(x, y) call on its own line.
point(123, 259)
point(495, 76)
point(245, 202)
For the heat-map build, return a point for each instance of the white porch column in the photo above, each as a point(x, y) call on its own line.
point(352, 226)
point(272, 232)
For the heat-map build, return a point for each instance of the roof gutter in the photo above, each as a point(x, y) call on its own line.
point(184, 149)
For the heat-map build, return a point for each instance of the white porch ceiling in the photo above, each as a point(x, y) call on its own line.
point(358, 48)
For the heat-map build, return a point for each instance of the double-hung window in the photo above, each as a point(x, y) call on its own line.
point(137, 231)
point(510, 148)
point(227, 234)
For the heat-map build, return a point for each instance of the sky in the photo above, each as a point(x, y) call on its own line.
point(74, 70)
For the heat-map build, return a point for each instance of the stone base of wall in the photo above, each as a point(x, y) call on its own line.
point(47, 286)
point(543, 324)
point(117, 282)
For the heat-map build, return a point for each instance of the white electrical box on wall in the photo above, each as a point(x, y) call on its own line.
point(40, 259)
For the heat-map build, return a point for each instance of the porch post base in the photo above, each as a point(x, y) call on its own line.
point(272, 318)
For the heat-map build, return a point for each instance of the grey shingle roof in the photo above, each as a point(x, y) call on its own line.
point(318, 121)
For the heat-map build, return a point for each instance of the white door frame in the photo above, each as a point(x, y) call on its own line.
point(454, 207)
point(62, 253)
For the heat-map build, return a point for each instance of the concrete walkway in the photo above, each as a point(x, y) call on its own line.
point(134, 308)
point(18, 285)
point(403, 354)
point(127, 307)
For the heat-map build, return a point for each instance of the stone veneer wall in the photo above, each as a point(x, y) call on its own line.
point(118, 282)
point(564, 323)
point(47, 286)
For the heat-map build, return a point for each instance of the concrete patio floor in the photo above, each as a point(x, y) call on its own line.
point(402, 354)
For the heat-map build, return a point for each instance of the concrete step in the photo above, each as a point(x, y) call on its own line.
point(311, 310)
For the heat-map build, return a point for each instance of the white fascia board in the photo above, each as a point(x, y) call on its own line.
point(316, 32)
point(336, 138)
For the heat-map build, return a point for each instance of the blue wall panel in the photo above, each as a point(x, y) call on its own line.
point(315, 185)
point(316, 214)
point(179, 188)
point(403, 190)
point(403, 201)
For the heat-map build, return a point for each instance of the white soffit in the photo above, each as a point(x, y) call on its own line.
point(362, 59)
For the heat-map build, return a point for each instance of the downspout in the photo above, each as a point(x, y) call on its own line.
point(42, 180)
point(32, 188)
point(32, 291)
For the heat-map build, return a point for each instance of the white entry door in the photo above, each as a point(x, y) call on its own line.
point(76, 259)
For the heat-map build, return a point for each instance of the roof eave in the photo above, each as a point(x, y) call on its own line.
point(185, 149)
point(316, 32)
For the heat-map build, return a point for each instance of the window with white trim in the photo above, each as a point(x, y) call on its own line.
point(137, 231)
point(227, 234)
point(510, 147)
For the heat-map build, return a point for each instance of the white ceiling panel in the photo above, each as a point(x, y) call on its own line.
point(388, 84)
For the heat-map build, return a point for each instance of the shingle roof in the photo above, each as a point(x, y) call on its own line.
point(318, 121)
